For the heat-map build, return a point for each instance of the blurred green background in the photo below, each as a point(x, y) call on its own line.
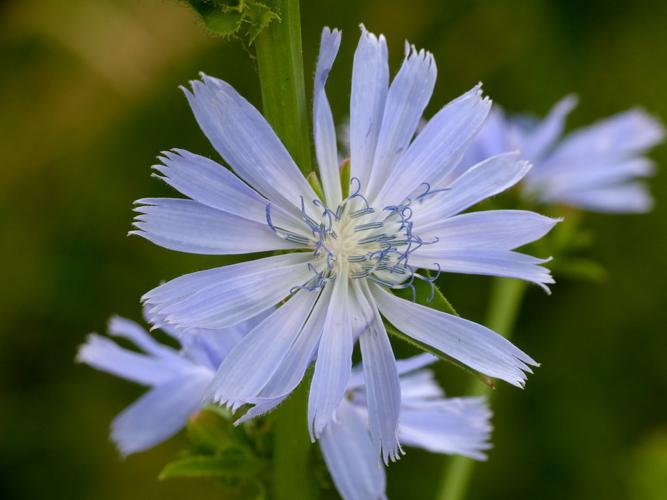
point(88, 93)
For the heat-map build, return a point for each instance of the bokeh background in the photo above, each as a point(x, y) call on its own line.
point(88, 97)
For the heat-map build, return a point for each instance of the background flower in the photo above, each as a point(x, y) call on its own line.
point(428, 420)
point(178, 379)
point(596, 167)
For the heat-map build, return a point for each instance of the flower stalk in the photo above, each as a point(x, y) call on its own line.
point(280, 63)
point(292, 448)
point(504, 307)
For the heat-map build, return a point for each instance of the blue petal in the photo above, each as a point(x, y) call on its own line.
point(625, 198)
point(225, 296)
point(189, 226)
point(382, 385)
point(419, 386)
point(408, 96)
point(504, 263)
point(211, 184)
point(323, 124)
point(160, 413)
point(252, 363)
point(351, 457)
point(438, 148)
point(495, 137)
point(209, 347)
point(458, 426)
point(482, 181)
point(409, 365)
point(572, 178)
point(489, 230)
point(246, 141)
point(538, 141)
point(469, 343)
point(370, 80)
point(122, 327)
point(104, 354)
point(299, 355)
point(333, 366)
point(614, 138)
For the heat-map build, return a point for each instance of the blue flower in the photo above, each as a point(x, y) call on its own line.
point(177, 379)
point(594, 168)
point(428, 420)
point(342, 252)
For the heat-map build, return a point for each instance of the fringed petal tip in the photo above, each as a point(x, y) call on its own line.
point(523, 371)
point(377, 39)
point(393, 454)
point(548, 278)
point(421, 55)
point(328, 32)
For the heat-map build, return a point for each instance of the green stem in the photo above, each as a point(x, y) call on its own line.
point(503, 310)
point(292, 448)
point(280, 63)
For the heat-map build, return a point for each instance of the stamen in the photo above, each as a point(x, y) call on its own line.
point(431, 281)
point(284, 233)
point(367, 226)
point(364, 211)
point(428, 191)
point(381, 255)
point(356, 193)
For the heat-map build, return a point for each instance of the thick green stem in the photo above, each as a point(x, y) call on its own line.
point(292, 449)
point(503, 310)
point(280, 62)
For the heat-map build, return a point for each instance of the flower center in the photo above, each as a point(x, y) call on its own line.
point(359, 241)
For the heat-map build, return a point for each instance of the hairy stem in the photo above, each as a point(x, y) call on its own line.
point(503, 310)
point(280, 63)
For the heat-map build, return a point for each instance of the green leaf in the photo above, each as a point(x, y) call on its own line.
point(227, 466)
point(243, 18)
point(259, 16)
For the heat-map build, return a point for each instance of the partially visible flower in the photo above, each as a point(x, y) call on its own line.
point(594, 168)
point(345, 252)
point(428, 420)
point(177, 379)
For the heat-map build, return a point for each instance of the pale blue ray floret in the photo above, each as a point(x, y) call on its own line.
point(342, 254)
point(597, 168)
point(178, 379)
point(427, 420)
